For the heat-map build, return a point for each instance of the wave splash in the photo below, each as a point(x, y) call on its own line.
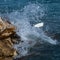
point(29, 34)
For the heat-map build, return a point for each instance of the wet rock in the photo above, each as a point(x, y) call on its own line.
point(6, 29)
point(8, 38)
point(4, 58)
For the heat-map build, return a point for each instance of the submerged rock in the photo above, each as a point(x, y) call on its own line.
point(8, 38)
point(53, 35)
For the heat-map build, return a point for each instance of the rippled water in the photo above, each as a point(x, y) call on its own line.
point(24, 15)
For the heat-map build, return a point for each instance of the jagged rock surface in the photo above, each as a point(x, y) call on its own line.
point(8, 38)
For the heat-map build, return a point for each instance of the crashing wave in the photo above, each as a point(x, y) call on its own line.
point(29, 34)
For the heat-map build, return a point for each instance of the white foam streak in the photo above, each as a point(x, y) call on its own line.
point(39, 25)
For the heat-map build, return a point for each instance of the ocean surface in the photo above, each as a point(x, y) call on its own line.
point(37, 42)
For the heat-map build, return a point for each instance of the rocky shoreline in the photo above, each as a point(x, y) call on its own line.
point(9, 37)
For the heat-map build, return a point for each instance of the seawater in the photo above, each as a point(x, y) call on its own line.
point(24, 15)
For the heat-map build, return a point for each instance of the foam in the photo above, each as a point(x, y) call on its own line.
point(29, 34)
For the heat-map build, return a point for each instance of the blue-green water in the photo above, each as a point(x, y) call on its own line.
point(35, 11)
point(52, 13)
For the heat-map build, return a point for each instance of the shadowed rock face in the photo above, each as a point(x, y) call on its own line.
point(8, 38)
